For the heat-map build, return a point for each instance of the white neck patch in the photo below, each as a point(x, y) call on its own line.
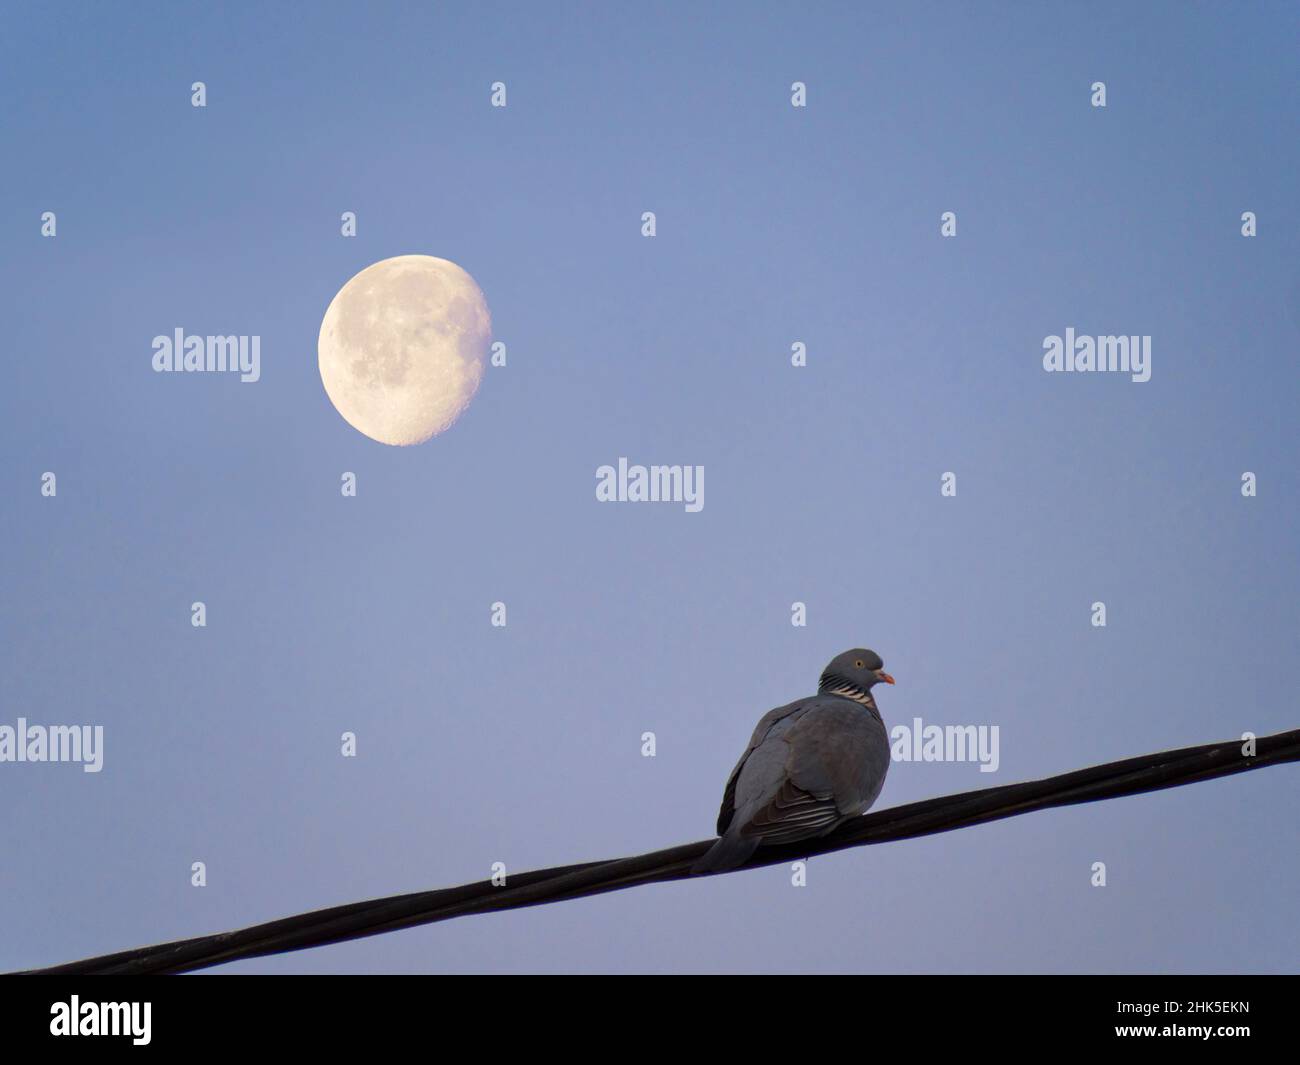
point(856, 694)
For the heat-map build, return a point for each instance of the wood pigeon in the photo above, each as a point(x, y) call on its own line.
point(809, 765)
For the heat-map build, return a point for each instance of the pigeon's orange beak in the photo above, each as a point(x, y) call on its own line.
point(882, 675)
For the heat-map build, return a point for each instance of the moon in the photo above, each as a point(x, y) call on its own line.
point(402, 348)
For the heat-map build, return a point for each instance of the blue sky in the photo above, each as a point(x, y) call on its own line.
point(775, 225)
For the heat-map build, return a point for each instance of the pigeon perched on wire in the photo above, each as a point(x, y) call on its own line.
point(809, 765)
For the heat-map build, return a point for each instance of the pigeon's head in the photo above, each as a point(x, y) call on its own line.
point(853, 673)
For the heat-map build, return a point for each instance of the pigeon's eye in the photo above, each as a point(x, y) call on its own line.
point(859, 664)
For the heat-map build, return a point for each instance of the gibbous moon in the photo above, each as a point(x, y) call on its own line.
point(402, 348)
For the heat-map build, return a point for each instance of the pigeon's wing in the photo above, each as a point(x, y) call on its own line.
point(839, 752)
point(773, 805)
point(827, 764)
point(792, 814)
point(761, 731)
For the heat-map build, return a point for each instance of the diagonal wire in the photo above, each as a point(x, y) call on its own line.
point(1132, 776)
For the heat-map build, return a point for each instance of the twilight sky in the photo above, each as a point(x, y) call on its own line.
point(776, 225)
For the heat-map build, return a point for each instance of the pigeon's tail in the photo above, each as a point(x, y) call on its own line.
point(730, 851)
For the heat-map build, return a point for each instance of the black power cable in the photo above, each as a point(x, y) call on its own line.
point(1151, 772)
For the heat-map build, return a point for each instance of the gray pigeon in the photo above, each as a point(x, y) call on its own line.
point(809, 765)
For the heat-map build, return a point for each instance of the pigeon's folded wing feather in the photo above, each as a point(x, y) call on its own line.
point(761, 731)
point(791, 814)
